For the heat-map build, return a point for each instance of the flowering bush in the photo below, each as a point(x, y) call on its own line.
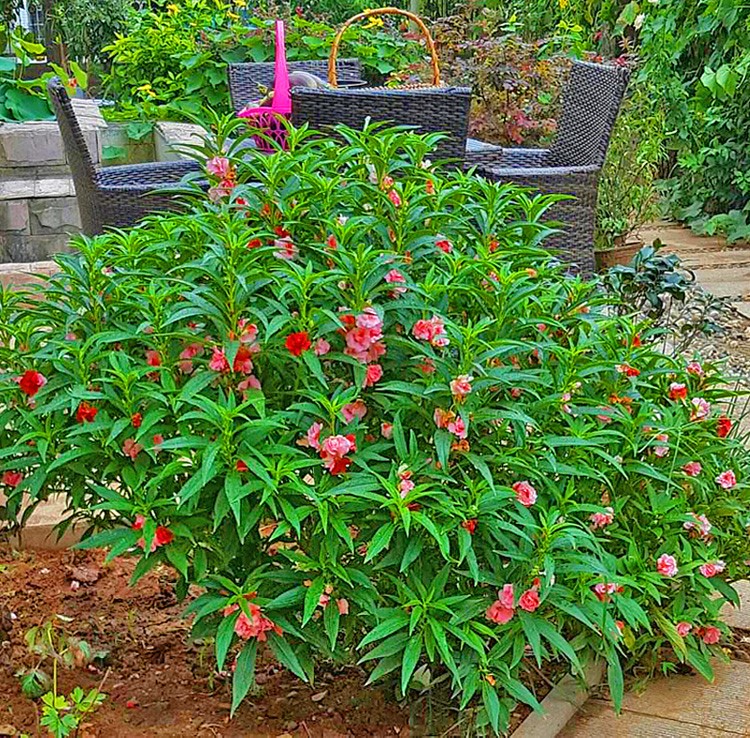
point(350, 397)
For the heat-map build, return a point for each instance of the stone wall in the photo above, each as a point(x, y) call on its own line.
point(38, 207)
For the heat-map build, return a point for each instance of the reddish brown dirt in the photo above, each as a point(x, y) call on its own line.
point(160, 684)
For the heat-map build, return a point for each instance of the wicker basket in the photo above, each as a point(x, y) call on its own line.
point(428, 108)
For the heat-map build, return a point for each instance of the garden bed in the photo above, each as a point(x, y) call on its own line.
point(160, 684)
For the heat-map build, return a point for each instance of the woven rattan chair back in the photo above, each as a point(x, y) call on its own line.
point(429, 110)
point(245, 80)
point(591, 102)
point(79, 157)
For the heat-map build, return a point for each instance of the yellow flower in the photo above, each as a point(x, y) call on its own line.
point(232, 15)
point(240, 3)
point(374, 22)
point(173, 9)
point(147, 89)
point(563, 4)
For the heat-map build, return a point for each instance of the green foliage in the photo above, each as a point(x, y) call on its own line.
point(86, 27)
point(174, 61)
point(21, 99)
point(697, 54)
point(348, 395)
point(63, 716)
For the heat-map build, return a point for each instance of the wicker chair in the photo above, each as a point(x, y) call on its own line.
point(112, 196)
point(572, 165)
point(246, 79)
point(429, 109)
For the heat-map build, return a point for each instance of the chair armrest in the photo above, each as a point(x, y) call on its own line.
point(498, 172)
point(508, 158)
point(146, 175)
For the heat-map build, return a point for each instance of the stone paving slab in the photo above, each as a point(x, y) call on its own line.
point(674, 706)
point(598, 720)
point(738, 617)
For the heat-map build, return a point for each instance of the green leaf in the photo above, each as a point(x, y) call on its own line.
point(331, 619)
point(224, 635)
point(412, 652)
point(395, 622)
point(615, 680)
point(312, 598)
point(380, 540)
point(492, 705)
point(286, 656)
point(244, 674)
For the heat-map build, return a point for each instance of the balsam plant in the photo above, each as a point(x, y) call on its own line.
point(350, 396)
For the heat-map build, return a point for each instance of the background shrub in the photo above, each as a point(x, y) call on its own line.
point(351, 398)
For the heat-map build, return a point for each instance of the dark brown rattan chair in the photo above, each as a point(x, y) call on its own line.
point(572, 165)
point(246, 80)
point(113, 196)
point(429, 109)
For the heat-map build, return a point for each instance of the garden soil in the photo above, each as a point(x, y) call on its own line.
point(159, 683)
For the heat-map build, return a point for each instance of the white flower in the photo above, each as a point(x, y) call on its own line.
point(638, 22)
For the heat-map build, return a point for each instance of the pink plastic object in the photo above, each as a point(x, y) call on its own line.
point(269, 119)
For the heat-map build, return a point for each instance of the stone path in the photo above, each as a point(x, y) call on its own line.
point(688, 706)
point(721, 268)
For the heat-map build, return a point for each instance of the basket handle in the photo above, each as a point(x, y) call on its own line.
point(333, 77)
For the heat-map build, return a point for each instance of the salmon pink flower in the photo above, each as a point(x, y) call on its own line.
point(443, 417)
point(332, 243)
point(627, 370)
point(352, 410)
point(86, 413)
point(692, 468)
point(372, 375)
point(432, 330)
point(602, 519)
point(343, 606)
point(285, 249)
point(386, 430)
point(139, 522)
point(297, 343)
point(529, 600)
point(458, 428)
point(243, 363)
point(185, 365)
point(313, 435)
point(254, 243)
point(525, 493)
point(131, 448)
point(604, 590)
point(711, 635)
point(12, 478)
point(677, 391)
point(136, 420)
point(241, 466)
point(662, 451)
point(726, 479)
point(712, 568)
point(250, 382)
point(158, 439)
point(699, 525)
point(683, 628)
point(219, 362)
point(429, 187)
point(695, 369)
point(333, 452)
point(256, 626)
point(470, 525)
point(395, 277)
point(700, 409)
point(723, 426)
point(30, 382)
point(219, 166)
point(322, 347)
point(461, 387)
point(153, 358)
point(443, 244)
point(427, 366)
point(501, 610)
point(405, 484)
point(395, 198)
point(666, 565)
